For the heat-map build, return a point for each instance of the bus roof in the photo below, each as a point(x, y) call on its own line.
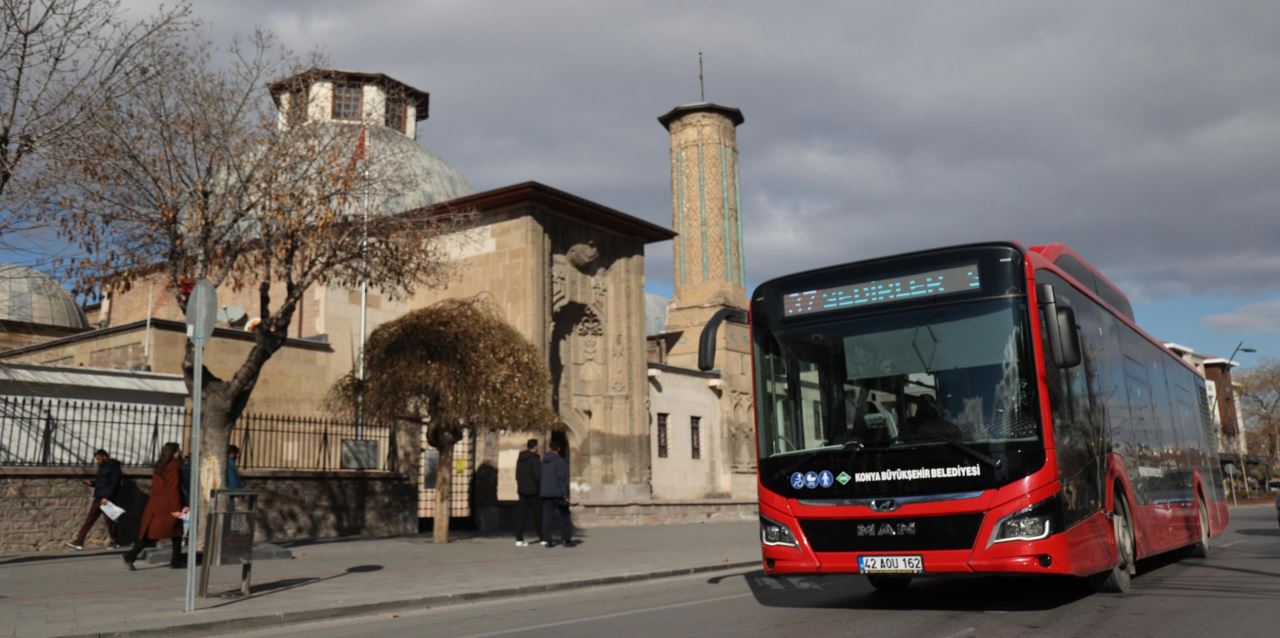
point(1075, 266)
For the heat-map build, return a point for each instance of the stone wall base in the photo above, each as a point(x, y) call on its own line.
point(597, 514)
point(42, 508)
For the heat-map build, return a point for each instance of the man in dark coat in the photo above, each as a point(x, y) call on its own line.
point(528, 484)
point(555, 497)
point(105, 486)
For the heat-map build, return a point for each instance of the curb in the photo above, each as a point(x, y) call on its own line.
point(310, 615)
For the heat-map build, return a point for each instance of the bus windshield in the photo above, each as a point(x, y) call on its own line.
point(956, 373)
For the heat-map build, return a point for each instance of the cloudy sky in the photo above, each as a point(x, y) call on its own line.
point(1144, 134)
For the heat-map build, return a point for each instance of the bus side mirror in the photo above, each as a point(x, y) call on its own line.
point(1069, 334)
point(1060, 327)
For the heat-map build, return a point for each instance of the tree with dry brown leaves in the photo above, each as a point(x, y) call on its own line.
point(198, 177)
point(60, 62)
point(454, 366)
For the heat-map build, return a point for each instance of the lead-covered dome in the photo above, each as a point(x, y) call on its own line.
point(340, 103)
point(30, 296)
point(423, 178)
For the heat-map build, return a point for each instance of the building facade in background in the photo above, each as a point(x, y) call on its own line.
point(567, 272)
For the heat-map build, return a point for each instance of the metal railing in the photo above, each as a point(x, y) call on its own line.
point(276, 442)
point(43, 431)
point(53, 432)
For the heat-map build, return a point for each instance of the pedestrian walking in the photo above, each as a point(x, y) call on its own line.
point(105, 486)
point(555, 497)
point(528, 486)
point(233, 468)
point(162, 516)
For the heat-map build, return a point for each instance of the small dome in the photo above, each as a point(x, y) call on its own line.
point(426, 179)
point(655, 314)
point(29, 296)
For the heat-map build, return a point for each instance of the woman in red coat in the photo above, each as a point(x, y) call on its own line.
point(158, 519)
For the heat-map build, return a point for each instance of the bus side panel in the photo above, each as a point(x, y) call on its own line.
point(1091, 546)
point(1144, 544)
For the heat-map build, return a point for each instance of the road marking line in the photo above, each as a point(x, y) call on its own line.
point(968, 631)
point(618, 614)
point(1232, 543)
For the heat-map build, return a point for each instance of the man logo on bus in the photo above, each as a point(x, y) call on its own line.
point(887, 529)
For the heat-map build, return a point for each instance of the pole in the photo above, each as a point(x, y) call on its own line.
point(193, 515)
point(364, 311)
point(146, 340)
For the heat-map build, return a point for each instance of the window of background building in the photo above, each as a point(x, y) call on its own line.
point(695, 437)
point(662, 436)
point(346, 101)
point(396, 110)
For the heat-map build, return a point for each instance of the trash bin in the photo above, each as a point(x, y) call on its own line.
point(228, 538)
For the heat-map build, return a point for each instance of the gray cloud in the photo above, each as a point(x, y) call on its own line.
point(1259, 317)
point(1144, 134)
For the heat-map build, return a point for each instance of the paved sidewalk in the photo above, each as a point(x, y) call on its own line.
point(92, 593)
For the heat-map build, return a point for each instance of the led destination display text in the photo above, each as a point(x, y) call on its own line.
point(924, 284)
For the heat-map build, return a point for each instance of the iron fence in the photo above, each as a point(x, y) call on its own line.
point(275, 442)
point(45, 431)
point(53, 432)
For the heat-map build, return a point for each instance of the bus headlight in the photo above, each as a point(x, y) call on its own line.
point(1030, 523)
point(774, 533)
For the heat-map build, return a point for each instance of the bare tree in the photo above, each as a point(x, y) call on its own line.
point(1259, 396)
point(60, 62)
point(455, 365)
point(197, 177)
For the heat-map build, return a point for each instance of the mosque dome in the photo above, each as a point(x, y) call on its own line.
point(30, 296)
point(389, 111)
point(421, 178)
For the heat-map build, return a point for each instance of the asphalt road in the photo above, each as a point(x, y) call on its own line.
point(1234, 593)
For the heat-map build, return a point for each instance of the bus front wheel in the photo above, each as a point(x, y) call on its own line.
point(1116, 579)
point(1201, 548)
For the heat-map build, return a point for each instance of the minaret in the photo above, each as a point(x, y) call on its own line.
point(709, 267)
point(710, 270)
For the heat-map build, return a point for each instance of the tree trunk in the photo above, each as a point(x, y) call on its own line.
point(444, 484)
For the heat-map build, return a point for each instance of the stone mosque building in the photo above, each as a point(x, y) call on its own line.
point(645, 427)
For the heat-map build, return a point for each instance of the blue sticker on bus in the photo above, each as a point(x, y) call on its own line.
point(797, 481)
point(811, 480)
point(826, 479)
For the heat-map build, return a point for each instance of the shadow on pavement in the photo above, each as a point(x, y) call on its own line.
point(946, 593)
point(1259, 532)
point(40, 558)
point(276, 586)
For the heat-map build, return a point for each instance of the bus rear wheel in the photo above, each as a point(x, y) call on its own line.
point(889, 584)
point(1116, 579)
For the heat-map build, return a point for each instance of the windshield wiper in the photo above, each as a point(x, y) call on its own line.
point(967, 449)
point(808, 455)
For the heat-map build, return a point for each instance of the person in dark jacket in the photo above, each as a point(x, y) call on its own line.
point(555, 497)
point(233, 469)
point(105, 486)
point(162, 516)
point(528, 486)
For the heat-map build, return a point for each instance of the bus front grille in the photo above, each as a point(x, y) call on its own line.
point(891, 534)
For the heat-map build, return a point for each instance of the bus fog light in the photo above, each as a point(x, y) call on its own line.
point(774, 533)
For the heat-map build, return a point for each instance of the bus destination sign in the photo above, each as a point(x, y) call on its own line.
point(930, 283)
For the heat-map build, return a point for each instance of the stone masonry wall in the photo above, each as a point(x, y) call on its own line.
point(41, 508)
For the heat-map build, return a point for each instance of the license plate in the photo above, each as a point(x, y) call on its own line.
point(891, 564)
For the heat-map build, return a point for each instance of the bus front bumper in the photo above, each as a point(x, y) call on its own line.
point(1079, 551)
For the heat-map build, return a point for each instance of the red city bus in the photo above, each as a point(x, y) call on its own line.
point(986, 408)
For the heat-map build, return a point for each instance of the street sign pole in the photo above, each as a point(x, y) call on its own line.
point(202, 309)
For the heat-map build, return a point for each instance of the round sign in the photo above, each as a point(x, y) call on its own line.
point(202, 311)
